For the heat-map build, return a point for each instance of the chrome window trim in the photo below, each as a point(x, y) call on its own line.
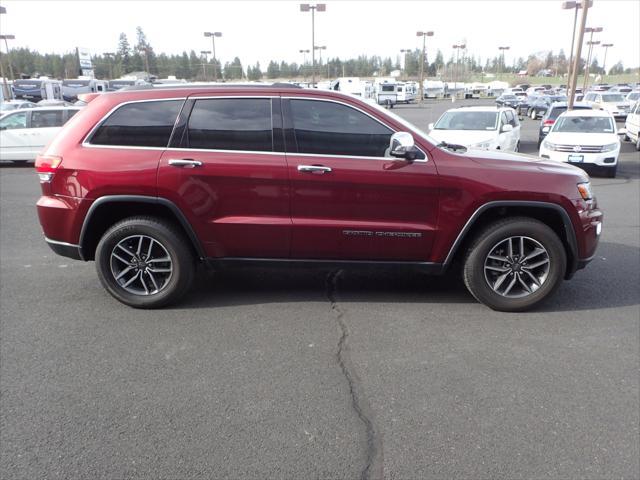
point(88, 136)
point(86, 141)
point(393, 130)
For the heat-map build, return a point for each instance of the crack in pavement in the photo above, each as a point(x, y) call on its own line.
point(373, 468)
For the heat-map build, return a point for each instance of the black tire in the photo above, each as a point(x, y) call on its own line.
point(533, 114)
point(517, 146)
point(611, 171)
point(638, 142)
point(483, 244)
point(170, 239)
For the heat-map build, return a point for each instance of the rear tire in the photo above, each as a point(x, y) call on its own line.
point(532, 270)
point(533, 114)
point(638, 142)
point(145, 262)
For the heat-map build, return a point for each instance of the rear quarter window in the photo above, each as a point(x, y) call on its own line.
point(139, 124)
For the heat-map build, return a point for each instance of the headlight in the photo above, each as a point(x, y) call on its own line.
point(610, 148)
point(549, 146)
point(585, 190)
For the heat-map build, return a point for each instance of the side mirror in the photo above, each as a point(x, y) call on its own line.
point(622, 131)
point(506, 128)
point(430, 126)
point(402, 145)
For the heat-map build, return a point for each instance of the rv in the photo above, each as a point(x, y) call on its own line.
point(434, 89)
point(34, 90)
point(406, 92)
point(72, 87)
point(353, 86)
point(119, 83)
point(385, 91)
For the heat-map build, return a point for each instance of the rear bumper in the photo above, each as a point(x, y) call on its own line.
point(65, 249)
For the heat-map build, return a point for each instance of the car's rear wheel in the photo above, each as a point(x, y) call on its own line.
point(144, 262)
point(533, 114)
point(514, 264)
point(638, 142)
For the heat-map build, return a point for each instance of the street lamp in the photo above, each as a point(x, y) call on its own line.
point(502, 49)
point(590, 30)
point(213, 36)
point(204, 53)
point(109, 56)
point(306, 7)
point(320, 48)
point(5, 85)
point(455, 71)
point(404, 52)
point(604, 62)
point(304, 62)
point(424, 36)
point(5, 38)
point(573, 6)
point(573, 81)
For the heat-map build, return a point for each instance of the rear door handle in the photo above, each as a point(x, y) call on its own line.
point(184, 162)
point(317, 169)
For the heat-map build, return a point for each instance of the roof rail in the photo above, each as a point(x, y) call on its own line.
point(148, 86)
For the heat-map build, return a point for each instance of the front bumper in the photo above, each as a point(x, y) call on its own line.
point(604, 159)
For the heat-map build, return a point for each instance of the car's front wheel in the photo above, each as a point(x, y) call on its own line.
point(515, 263)
point(144, 262)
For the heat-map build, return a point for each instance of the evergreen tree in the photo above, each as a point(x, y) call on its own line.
point(123, 55)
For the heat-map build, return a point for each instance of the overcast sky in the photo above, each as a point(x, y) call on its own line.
point(260, 31)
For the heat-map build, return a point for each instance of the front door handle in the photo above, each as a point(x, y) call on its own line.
point(184, 162)
point(317, 169)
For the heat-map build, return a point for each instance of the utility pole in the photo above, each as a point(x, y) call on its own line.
point(424, 36)
point(573, 6)
point(501, 63)
point(204, 63)
point(304, 63)
point(604, 62)
point(109, 56)
point(576, 60)
point(591, 43)
point(306, 7)
point(455, 70)
point(213, 36)
point(404, 52)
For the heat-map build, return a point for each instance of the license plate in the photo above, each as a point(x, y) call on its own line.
point(576, 158)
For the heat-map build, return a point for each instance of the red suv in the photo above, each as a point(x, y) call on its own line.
point(150, 182)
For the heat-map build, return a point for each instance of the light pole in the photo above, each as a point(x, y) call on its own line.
point(455, 71)
point(590, 30)
point(404, 52)
point(5, 86)
point(501, 63)
point(576, 61)
point(306, 7)
point(304, 62)
point(573, 6)
point(6, 44)
point(109, 56)
point(213, 36)
point(320, 48)
point(424, 36)
point(604, 62)
point(204, 53)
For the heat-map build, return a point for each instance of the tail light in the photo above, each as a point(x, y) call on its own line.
point(548, 122)
point(46, 166)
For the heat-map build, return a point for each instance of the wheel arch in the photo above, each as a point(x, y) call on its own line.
point(107, 210)
point(553, 215)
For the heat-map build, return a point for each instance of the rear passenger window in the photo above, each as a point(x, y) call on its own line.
point(139, 124)
point(47, 118)
point(329, 128)
point(511, 118)
point(231, 124)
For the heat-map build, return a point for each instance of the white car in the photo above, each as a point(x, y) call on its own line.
point(614, 103)
point(633, 96)
point(583, 137)
point(632, 125)
point(484, 128)
point(24, 133)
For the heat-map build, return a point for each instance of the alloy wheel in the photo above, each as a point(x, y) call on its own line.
point(516, 266)
point(141, 265)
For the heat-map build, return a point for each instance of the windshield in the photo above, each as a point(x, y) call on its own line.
point(612, 97)
point(584, 125)
point(5, 107)
point(509, 97)
point(634, 96)
point(461, 120)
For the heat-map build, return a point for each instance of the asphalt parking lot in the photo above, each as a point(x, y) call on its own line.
point(319, 374)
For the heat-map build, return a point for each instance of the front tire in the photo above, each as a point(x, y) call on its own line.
point(514, 264)
point(533, 114)
point(144, 262)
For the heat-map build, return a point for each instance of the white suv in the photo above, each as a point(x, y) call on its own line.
point(484, 128)
point(632, 125)
point(584, 137)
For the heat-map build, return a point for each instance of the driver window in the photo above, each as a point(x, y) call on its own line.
point(14, 121)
